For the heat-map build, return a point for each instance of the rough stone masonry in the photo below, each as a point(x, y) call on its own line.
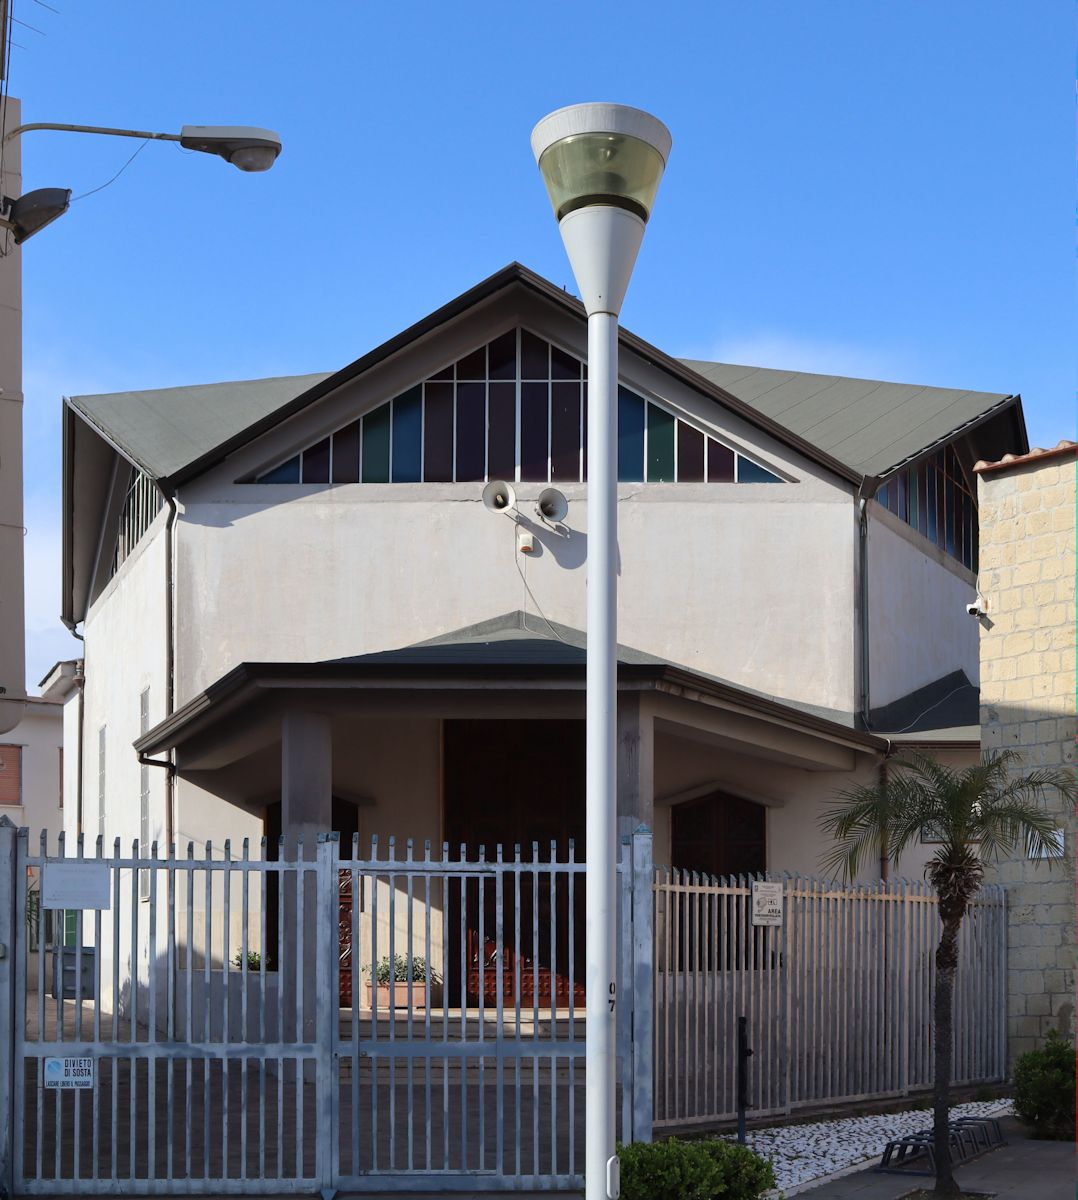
point(1027, 576)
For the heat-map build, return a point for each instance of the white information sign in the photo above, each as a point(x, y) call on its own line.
point(69, 1072)
point(766, 903)
point(75, 884)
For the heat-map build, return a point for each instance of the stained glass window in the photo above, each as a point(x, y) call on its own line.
point(935, 498)
point(513, 409)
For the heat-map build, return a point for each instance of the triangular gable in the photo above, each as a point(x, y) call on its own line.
point(516, 409)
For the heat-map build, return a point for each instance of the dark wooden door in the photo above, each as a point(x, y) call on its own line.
point(509, 784)
point(719, 835)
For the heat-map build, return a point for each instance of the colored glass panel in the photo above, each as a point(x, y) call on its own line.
point(565, 432)
point(376, 446)
point(720, 462)
point(502, 431)
point(438, 433)
point(346, 454)
point(562, 365)
point(408, 437)
point(446, 373)
point(316, 462)
point(473, 366)
point(534, 357)
point(930, 480)
point(750, 472)
point(287, 472)
point(660, 445)
point(690, 454)
point(630, 437)
point(534, 412)
point(471, 431)
point(502, 356)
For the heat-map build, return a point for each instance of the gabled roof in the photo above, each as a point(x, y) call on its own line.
point(869, 425)
point(512, 646)
point(173, 434)
point(165, 430)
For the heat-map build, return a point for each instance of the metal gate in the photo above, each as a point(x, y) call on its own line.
point(188, 1034)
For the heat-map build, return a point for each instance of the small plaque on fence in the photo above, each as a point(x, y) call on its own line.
point(69, 1072)
point(766, 903)
point(73, 884)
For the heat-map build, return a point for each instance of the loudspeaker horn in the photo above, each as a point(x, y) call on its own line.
point(552, 505)
point(499, 497)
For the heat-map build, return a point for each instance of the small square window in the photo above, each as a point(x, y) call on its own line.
point(1054, 849)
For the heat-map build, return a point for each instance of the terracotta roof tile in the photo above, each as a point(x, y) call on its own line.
point(1060, 449)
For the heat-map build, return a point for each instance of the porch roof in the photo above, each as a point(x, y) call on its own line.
point(512, 652)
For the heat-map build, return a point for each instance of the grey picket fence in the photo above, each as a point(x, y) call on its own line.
point(838, 998)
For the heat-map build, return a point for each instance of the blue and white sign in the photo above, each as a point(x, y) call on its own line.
point(69, 1072)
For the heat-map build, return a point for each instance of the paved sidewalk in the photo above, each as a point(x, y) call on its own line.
point(1021, 1170)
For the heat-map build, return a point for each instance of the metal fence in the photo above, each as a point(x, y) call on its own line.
point(189, 1035)
point(838, 998)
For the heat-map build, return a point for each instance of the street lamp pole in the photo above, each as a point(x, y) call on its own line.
point(22, 215)
point(601, 164)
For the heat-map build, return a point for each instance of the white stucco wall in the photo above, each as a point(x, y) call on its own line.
point(124, 654)
point(748, 582)
point(40, 734)
point(919, 629)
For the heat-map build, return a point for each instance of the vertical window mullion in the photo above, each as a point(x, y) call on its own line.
point(519, 376)
point(549, 414)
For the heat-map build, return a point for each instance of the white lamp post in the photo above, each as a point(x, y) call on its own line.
point(602, 164)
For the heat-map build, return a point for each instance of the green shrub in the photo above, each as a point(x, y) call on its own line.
point(698, 1170)
point(1044, 1089)
point(744, 1173)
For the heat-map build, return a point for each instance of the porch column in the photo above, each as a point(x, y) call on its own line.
point(306, 779)
point(306, 811)
point(636, 764)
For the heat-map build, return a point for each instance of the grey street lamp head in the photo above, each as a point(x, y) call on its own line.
point(29, 213)
point(244, 146)
point(602, 164)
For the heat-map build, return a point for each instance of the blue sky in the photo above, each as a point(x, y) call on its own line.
point(881, 189)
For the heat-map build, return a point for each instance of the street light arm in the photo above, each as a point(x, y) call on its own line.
point(144, 135)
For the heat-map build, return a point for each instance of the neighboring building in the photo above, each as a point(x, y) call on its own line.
point(1027, 510)
point(247, 560)
point(32, 769)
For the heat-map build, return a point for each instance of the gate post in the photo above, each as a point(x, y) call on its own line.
point(643, 982)
point(8, 962)
point(326, 1015)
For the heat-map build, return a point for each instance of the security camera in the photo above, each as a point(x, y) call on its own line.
point(978, 608)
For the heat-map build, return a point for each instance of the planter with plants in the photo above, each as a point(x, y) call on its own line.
point(391, 980)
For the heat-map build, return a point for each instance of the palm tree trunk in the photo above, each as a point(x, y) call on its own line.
point(943, 1026)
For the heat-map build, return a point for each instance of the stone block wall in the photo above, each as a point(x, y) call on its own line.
point(1027, 575)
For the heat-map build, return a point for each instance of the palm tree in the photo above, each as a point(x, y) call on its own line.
point(977, 813)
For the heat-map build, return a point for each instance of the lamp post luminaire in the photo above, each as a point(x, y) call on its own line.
point(601, 164)
point(23, 215)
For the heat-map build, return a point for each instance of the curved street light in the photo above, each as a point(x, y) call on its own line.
point(246, 148)
point(602, 164)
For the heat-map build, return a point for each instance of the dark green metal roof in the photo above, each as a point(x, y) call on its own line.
point(166, 429)
point(869, 425)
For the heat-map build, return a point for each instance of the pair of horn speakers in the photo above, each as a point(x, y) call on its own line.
point(500, 497)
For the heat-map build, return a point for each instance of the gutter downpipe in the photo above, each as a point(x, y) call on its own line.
point(168, 763)
point(867, 489)
point(80, 683)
